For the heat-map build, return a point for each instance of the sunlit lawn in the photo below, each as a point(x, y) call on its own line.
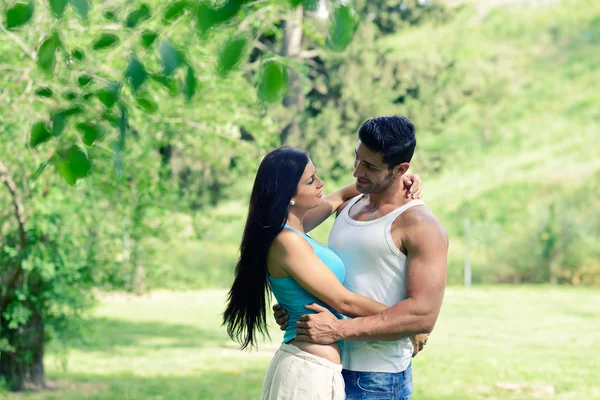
point(489, 343)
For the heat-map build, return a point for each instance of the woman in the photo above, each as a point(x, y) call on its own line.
point(276, 255)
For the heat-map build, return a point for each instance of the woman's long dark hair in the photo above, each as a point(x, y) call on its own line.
point(275, 185)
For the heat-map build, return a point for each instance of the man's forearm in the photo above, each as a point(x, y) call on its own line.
point(404, 319)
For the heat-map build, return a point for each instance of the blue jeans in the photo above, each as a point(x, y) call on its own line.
point(378, 385)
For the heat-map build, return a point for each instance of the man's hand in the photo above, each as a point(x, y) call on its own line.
point(418, 343)
point(281, 316)
point(413, 186)
point(320, 328)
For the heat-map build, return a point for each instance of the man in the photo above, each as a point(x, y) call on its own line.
point(395, 251)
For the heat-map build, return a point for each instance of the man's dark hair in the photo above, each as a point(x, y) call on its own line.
point(393, 136)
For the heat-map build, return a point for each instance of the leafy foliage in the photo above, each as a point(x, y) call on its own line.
point(124, 103)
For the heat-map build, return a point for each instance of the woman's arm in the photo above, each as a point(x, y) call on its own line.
point(333, 201)
point(295, 255)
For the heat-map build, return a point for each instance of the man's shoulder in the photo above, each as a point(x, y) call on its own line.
point(418, 220)
point(418, 214)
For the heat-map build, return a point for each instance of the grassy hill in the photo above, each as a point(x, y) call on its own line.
point(527, 141)
point(520, 139)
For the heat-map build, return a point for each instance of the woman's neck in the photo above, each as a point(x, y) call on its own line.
point(296, 221)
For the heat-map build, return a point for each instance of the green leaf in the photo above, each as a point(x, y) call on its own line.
point(75, 110)
point(111, 118)
point(207, 16)
point(273, 82)
point(310, 5)
point(231, 55)
point(44, 91)
point(90, 132)
point(78, 54)
point(169, 57)
point(136, 73)
point(43, 166)
point(228, 10)
point(105, 41)
point(82, 7)
point(19, 14)
point(84, 80)
point(70, 95)
point(111, 15)
point(167, 82)
point(109, 94)
point(147, 104)
point(189, 88)
point(59, 122)
point(40, 133)
point(58, 7)
point(343, 27)
point(174, 10)
point(46, 53)
point(148, 38)
point(133, 19)
point(73, 164)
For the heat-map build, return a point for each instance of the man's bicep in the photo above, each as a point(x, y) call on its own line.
point(427, 258)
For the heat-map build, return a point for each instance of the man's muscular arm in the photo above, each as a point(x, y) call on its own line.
point(426, 245)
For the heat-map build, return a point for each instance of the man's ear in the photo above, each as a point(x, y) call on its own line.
point(401, 169)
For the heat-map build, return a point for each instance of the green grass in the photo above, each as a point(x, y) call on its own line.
point(497, 342)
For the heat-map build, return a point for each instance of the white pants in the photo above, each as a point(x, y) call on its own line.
point(297, 375)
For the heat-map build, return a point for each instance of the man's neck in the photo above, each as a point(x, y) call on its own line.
point(394, 196)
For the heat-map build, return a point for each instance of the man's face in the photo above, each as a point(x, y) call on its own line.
point(371, 173)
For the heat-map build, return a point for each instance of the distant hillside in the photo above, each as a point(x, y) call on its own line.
point(518, 151)
point(528, 138)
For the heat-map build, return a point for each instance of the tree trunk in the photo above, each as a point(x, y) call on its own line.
point(139, 279)
point(22, 355)
point(553, 266)
point(14, 273)
point(294, 100)
point(138, 273)
point(23, 368)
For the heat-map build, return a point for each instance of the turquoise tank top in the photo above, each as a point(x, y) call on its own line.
point(293, 297)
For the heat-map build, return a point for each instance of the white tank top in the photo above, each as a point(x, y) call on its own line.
point(375, 268)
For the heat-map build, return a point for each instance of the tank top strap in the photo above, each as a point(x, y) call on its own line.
point(295, 230)
point(400, 210)
point(393, 215)
point(351, 204)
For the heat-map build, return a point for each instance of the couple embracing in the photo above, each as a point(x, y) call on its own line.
point(354, 312)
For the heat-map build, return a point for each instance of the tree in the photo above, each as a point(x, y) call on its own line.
point(129, 103)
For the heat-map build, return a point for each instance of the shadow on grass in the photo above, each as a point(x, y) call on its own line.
point(203, 386)
point(206, 385)
point(103, 334)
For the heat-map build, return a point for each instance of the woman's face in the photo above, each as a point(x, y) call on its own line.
point(309, 194)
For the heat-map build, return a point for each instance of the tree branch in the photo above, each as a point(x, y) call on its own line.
point(13, 276)
point(19, 42)
point(308, 54)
